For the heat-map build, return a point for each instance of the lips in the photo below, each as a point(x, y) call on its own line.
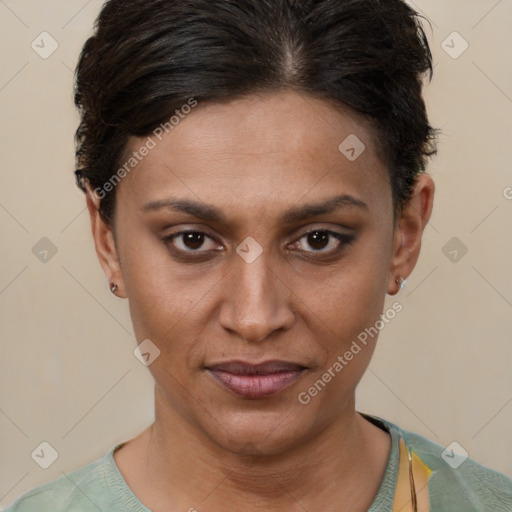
point(255, 381)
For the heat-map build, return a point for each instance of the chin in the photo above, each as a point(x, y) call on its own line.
point(258, 433)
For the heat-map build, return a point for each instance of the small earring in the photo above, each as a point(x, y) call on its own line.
point(113, 287)
point(401, 282)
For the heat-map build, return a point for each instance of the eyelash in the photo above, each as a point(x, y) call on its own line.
point(344, 239)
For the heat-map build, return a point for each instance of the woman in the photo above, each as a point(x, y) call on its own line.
point(254, 174)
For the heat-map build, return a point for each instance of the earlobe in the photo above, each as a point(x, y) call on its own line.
point(105, 245)
point(409, 231)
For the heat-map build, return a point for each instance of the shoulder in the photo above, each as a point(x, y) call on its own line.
point(81, 490)
point(456, 478)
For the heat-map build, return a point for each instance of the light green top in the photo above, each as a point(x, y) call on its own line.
point(100, 487)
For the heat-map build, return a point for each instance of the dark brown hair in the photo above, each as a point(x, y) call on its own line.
point(148, 58)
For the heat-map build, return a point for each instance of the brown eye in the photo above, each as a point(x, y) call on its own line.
point(191, 241)
point(320, 239)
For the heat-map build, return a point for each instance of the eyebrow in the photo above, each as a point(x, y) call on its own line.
point(211, 213)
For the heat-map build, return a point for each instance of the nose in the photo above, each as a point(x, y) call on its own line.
point(256, 302)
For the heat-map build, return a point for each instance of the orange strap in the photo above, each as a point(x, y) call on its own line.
point(420, 475)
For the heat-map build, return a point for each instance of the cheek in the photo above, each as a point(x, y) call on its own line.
point(163, 295)
point(355, 295)
point(351, 315)
point(168, 308)
point(351, 307)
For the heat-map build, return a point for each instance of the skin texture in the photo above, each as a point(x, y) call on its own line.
point(254, 158)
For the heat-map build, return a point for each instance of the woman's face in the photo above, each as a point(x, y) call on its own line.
point(250, 178)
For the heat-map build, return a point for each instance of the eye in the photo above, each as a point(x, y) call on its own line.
point(323, 241)
point(319, 241)
point(192, 241)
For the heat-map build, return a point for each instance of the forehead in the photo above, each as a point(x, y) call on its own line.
point(259, 148)
point(277, 122)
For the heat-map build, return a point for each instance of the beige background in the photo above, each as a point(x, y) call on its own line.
point(69, 377)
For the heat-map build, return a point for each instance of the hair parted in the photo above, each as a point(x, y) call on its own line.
point(148, 58)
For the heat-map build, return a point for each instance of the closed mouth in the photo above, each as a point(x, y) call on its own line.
point(255, 381)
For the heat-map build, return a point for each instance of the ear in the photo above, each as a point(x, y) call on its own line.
point(105, 244)
point(408, 233)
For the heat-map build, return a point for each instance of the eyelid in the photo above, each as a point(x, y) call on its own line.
point(170, 238)
point(343, 239)
point(338, 229)
point(299, 233)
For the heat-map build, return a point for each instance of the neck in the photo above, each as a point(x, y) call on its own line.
point(191, 465)
point(180, 465)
